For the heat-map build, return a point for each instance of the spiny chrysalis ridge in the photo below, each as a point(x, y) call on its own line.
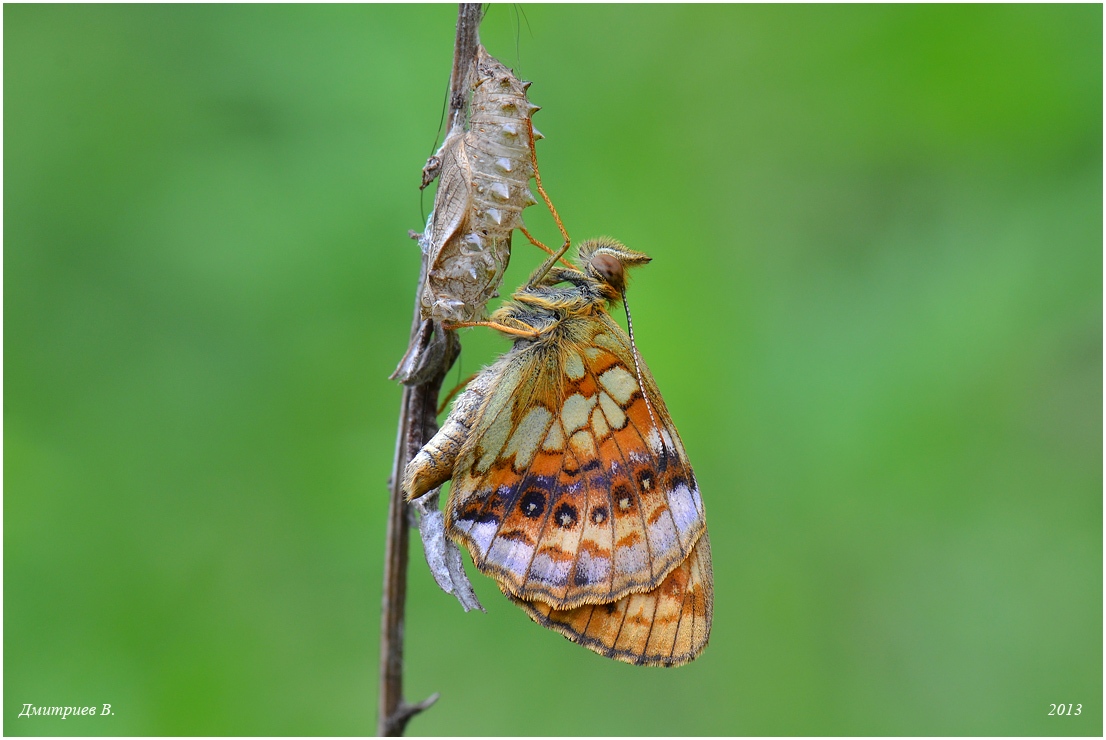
point(485, 185)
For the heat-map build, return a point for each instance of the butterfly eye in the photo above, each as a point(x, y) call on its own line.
point(609, 269)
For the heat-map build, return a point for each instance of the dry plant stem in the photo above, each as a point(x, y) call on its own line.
point(417, 423)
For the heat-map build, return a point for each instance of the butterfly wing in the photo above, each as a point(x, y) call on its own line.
point(571, 488)
point(668, 626)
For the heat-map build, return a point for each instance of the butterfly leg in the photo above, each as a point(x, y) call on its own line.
point(452, 393)
point(529, 332)
point(544, 248)
point(554, 256)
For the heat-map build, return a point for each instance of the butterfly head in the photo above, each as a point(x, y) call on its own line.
point(605, 262)
point(598, 281)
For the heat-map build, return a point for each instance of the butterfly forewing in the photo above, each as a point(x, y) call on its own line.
point(567, 491)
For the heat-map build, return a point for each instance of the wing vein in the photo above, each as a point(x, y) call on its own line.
point(652, 621)
point(625, 613)
point(548, 512)
point(610, 494)
point(680, 619)
point(529, 388)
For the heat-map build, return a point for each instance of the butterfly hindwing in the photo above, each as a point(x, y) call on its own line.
point(571, 488)
point(667, 626)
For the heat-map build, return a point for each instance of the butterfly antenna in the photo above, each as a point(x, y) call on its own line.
point(518, 29)
point(526, 20)
point(637, 369)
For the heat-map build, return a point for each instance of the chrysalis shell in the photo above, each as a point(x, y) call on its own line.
point(485, 185)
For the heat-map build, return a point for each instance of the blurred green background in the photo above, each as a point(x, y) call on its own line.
point(875, 311)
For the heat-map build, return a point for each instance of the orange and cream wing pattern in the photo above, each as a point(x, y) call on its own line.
point(571, 486)
point(668, 626)
point(571, 489)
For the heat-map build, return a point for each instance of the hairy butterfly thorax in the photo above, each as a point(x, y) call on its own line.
point(563, 294)
point(571, 486)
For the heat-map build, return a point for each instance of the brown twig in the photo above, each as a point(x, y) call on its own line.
point(431, 353)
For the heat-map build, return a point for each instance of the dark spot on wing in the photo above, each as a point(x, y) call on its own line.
point(532, 504)
point(623, 499)
point(476, 513)
point(662, 459)
point(516, 536)
point(565, 516)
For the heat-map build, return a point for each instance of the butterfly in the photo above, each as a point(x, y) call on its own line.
point(570, 484)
